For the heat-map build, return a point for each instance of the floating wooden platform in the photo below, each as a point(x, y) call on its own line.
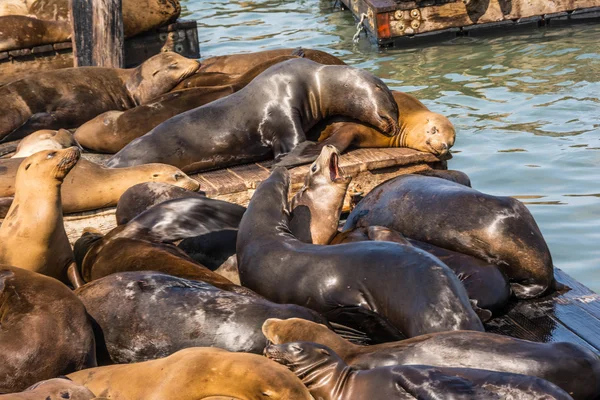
point(180, 37)
point(368, 168)
point(390, 22)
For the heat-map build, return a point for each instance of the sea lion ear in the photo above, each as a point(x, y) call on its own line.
point(324, 352)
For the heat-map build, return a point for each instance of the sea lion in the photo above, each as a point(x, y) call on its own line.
point(149, 315)
point(195, 373)
point(572, 367)
point(45, 330)
point(66, 98)
point(22, 32)
point(269, 117)
point(419, 129)
point(111, 131)
point(241, 63)
point(90, 186)
point(328, 377)
point(143, 196)
point(498, 230)
point(317, 207)
point(406, 292)
point(52, 389)
point(33, 236)
point(487, 287)
point(138, 16)
point(45, 140)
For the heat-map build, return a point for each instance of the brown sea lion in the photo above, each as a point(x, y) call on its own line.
point(90, 186)
point(328, 377)
point(195, 373)
point(572, 367)
point(419, 129)
point(22, 32)
point(52, 389)
point(498, 230)
point(111, 131)
point(45, 140)
point(138, 16)
point(241, 63)
point(45, 329)
point(66, 98)
point(317, 207)
point(33, 236)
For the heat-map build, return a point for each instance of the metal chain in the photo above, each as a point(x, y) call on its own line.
point(359, 28)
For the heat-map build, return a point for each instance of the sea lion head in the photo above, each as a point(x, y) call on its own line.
point(319, 202)
point(302, 357)
point(279, 331)
point(429, 132)
point(57, 163)
point(45, 139)
point(158, 75)
point(358, 94)
point(169, 174)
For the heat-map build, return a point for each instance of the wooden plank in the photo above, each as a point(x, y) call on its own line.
point(98, 37)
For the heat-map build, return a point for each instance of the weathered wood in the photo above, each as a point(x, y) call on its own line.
point(98, 38)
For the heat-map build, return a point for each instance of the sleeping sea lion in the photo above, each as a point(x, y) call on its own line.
point(195, 373)
point(33, 236)
point(268, 118)
point(148, 315)
point(45, 330)
point(572, 367)
point(498, 230)
point(45, 140)
point(405, 292)
point(90, 186)
point(66, 98)
point(52, 389)
point(328, 377)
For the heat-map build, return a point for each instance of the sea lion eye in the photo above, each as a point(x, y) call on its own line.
point(296, 348)
point(27, 166)
point(314, 168)
point(177, 176)
point(155, 176)
point(50, 155)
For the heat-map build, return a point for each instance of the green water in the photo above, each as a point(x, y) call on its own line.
point(526, 105)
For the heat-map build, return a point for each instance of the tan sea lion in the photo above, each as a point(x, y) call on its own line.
point(33, 236)
point(111, 131)
point(66, 98)
point(52, 389)
point(317, 207)
point(418, 128)
point(90, 186)
point(570, 366)
point(195, 373)
point(22, 32)
point(45, 139)
point(45, 332)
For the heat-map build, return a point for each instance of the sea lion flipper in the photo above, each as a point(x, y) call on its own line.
point(376, 328)
point(350, 334)
point(74, 276)
point(304, 153)
point(483, 314)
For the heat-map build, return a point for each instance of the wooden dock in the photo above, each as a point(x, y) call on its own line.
point(180, 37)
point(405, 22)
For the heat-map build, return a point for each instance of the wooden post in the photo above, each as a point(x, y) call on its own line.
point(97, 33)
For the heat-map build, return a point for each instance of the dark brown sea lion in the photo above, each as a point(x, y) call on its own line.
point(66, 98)
point(143, 196)
point(572, 367)
point(241, 63)
point(33, 236)
point(148, 315)
point(45, 330)
point(328, 377)
point(45, 140)
point(268, 118)
point(111, 131)
point(498, 230)
point(317, 207)
point(196, 373)
point(22, 32)
point(405, 292)
point(52, 389)
point(419, 129)
point(90, 186)
point(487, 287)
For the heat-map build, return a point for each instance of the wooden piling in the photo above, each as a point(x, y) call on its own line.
point(97, 33)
